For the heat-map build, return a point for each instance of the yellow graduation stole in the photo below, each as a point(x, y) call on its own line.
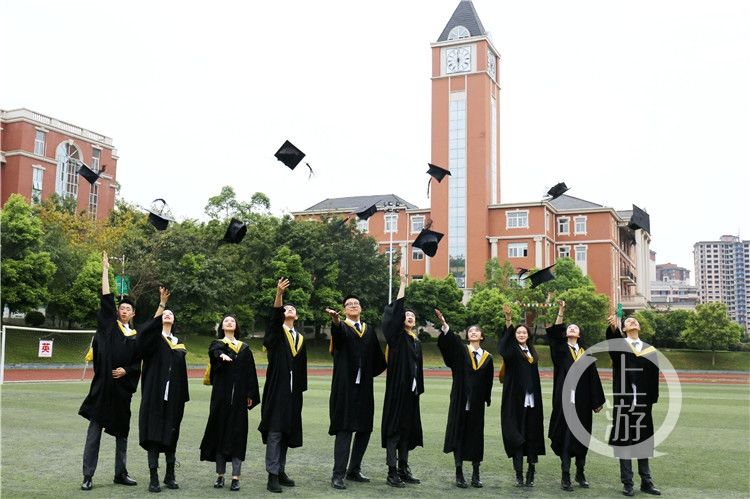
point(178, 346)
point(574, 354)
point(360, 333)
point(414, 337)
point(228, 342)
point(90, 353)
point(124, 331)
point(300, 340)
point(531, 358)
point(207, 372)
point(474, 364)
point(644, 351)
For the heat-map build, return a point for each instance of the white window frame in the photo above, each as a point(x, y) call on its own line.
point(391, 223)
point(518, 250)
point(417, 254)
point(96, 159)
point(93, 204)
point(36, 189)
point(580, 219)
point(565, 249)
point(582, 263)
point(40, 144)
point(515, 217)
point(420, 220)
point(567, 225)
point(363, 226)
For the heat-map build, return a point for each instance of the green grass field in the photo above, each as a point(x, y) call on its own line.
point(22, 348)
point(42, 442)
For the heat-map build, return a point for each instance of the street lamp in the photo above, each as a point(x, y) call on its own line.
point(390, 207)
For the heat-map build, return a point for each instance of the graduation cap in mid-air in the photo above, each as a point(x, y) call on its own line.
point(364, 214)
point(436, 172)
point(291, 155)
point(427, 241)
point(640, 220)
point(522, 271)
point(159, 214)
point(235, 231)
point(541, 276)
point(556, 191)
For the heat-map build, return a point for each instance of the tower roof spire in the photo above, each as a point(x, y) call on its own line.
point(465, 15)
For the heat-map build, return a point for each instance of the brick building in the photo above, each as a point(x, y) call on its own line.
point(40, 155)
point(466, 206)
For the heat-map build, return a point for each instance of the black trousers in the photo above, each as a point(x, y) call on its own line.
point(153, 458)
point(221, 465)
point(458, 457)
point(397, 451)
point(626, 471)
point(91, 450)
point(343, 447)
point(276, 447)
point(565, 455)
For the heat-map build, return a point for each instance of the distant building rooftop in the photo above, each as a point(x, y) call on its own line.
point(355, 202)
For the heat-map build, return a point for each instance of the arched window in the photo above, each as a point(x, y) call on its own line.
point(458, 32)
point(68, 158)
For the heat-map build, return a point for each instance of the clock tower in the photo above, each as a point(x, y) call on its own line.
point(465, 140)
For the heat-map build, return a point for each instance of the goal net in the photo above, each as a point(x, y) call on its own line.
point(39, 347)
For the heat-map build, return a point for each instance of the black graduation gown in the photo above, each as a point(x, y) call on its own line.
point(159, 420)
point(589, 393)
point(281, 409)
point(472, 383)
point(401, 414)
point(108, 400)
point(639, 369)
point(522, 429)
point(351, 405)
point(232, 384)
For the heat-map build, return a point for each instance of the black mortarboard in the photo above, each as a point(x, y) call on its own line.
point(557, 191)
point(541, 276)
point(640, 220)
point(367, 212)
point(159, 214)
point(90, 175)
point(235, 232)
point(437, 173)
point(427, 241)
point(290, 155)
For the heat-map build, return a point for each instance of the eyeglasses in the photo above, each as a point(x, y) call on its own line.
point(351, 304)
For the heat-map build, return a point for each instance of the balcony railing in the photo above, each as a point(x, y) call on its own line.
point(15, 114)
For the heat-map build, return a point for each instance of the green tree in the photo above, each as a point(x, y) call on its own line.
point(587, 309)
point(86, 288)
point(425, 295)
point(26, 270)
point(288, 264)
point(486, 309)
point(710, 327)
point(225, 205)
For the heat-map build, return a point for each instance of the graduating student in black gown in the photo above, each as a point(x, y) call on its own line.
point(588, 396)
point(401, 429)
point(357, 359)
point(234, 392)
point(286, 380)
point(117, 369)
point(635, 386)
point(164, 392)
point(472, 370)
point(521, 412)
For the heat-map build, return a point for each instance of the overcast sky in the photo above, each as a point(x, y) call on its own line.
point(644, 102)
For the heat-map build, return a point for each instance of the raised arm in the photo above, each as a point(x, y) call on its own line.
point(508, 315)
point(402, 287)
point(275, 326)
point(163, 299)
point(560, 312)
point(394, 313)
point(281, 286)
point(504, 345)
point(448, 343)
point(105, 273)
point(613, 331)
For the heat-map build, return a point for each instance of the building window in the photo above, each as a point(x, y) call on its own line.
point(458, 32)
point(516, 219)
point(68, 161)
point(581, 258)
point(37, 182)
point(518, 250)
point(363, 226)
point(457, 212)
point(39, 143)
point(96, 158)
point(391, 223)
point(93, 199)
point(563, 225)
point(417, 223)
point(580, 227)
point(563, 252)
point(417, 254)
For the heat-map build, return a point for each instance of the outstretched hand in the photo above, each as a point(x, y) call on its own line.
point(507, 310)
point(282, 285)
point(612, 321)
point(335, 317)
point(164, 295)
point(105, 261)
point(440, 317)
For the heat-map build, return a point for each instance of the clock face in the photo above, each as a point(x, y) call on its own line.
point(491, 68)
point(458, 59)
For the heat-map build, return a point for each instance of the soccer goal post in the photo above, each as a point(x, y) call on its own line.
point(32, 345)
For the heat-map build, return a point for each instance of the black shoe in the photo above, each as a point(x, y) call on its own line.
point(530, 476)
point(219, 483)
point(86, 484)
point(581, 479)
point(357, 476)
point(404, 473)
point(338, 483)
point(169, 480)
point(460, 480)
point(475, 481)
point(393, 479)
point(565, 481)
point(285, 480)
point(124, 479)
point(235, 486)
point(273, 483)
point(153, 484)
point(648, 488)
point(519, 478)
point(627, 489)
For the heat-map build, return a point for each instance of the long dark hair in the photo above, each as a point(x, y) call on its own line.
point(220, 330)
point(529, 338)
